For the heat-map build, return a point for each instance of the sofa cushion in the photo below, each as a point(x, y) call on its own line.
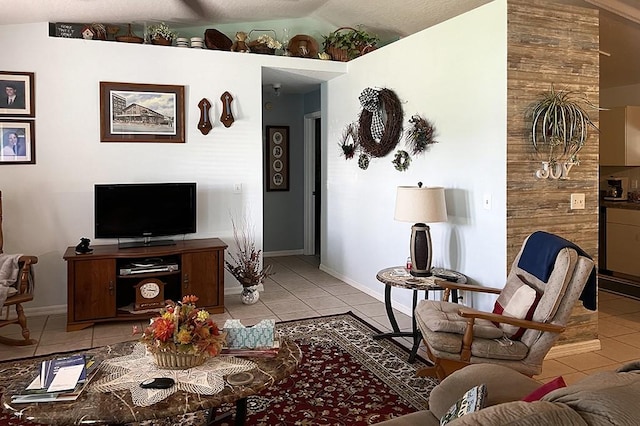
point(554, 384)
point(473, 400)
point(443, 317)
point(522, 413)
point(517, 300)
point(605, 398)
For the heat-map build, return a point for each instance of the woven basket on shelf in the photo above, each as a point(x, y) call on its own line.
point(339, 54)
point(178, 361)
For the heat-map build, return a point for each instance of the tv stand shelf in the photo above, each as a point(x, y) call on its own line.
point(98, 292)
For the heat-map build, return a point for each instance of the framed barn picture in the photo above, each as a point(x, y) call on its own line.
point(131, 112)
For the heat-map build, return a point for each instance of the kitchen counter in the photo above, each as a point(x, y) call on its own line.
point(620, 205)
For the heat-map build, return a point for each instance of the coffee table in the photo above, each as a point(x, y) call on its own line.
point(93, 407)
point(398, 276)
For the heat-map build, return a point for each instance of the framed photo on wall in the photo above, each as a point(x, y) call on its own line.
point(17, 94)
point(277, 157)
point(132, 112)
point(17, 139)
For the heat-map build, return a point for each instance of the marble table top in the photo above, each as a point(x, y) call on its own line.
point(95, 407)
point(398, 276)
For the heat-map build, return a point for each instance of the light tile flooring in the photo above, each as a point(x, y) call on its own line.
point(298, 289)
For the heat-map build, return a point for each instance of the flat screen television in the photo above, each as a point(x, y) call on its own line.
point(143, 211)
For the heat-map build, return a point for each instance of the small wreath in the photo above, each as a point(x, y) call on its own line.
point(391, 105)
point(363, 161)
point(350, 133)
point(401, 161)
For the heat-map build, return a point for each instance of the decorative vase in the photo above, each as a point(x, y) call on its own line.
point(178, 361)
point(250, 295)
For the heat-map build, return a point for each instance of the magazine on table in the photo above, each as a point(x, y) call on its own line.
point(60, 379)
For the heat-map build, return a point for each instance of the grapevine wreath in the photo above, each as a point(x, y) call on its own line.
point(371, 124)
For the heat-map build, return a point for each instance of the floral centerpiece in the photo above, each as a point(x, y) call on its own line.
point(183, 336)
point(245, 264)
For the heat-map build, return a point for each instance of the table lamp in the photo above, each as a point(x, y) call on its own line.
point(420, 205)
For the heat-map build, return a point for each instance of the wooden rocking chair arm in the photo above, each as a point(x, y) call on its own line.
point(489, 316)
point(466, 287)
point(28, 259)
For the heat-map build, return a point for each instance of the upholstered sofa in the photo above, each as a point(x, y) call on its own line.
point(605, 398)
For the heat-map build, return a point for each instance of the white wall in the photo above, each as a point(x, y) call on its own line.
point(49, 206)
point(455, 75)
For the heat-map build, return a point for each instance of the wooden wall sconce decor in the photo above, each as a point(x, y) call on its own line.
point(204, 125)
point(227, 116)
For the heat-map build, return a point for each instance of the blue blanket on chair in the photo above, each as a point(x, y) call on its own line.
point(539, 257)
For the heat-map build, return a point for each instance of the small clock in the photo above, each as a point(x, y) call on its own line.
point(149, 294)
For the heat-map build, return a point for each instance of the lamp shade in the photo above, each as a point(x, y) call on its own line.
point(420, 205)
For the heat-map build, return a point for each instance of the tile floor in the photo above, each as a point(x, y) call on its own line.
point(299, 290)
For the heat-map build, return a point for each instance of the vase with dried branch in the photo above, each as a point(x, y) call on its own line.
point(246, 263)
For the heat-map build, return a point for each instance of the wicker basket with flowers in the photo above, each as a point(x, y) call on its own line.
point(183, 336)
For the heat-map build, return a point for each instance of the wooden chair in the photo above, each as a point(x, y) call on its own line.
point(546, 280)
point(24, 287)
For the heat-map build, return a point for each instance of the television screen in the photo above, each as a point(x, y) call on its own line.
point(144, 210)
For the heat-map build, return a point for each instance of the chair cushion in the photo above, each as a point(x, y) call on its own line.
point(517, 300)
point(443, 317)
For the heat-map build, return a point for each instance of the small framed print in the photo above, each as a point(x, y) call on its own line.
point(277, 158)
point(134, 112)
point(17, 139)
point(17, 94)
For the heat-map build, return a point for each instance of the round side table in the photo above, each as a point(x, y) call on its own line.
point(399, 276)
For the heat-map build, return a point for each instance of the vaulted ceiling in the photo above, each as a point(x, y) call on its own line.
point(619, 35)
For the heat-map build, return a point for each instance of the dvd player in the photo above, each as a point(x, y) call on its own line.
point(130, 270)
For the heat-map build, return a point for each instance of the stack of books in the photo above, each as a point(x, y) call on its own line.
point(60, 379)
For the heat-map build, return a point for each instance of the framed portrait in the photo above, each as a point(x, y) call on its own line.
point(277, 157)
point(17, 94)
point(17, 139)
point(131, 112)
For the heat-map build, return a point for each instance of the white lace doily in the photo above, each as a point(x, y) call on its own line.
point(127, 372)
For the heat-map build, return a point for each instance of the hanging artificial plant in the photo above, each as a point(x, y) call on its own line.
point(420, 134)
point(559, 125)
point(349, 141)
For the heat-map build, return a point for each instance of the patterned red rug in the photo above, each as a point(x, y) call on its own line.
point(345, 379)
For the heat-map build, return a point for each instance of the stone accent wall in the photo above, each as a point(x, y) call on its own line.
point(551, 44)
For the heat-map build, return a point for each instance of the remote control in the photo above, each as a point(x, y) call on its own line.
point(158, 383)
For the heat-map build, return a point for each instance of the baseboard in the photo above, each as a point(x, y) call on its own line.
point(574, 348)
point(283, 253)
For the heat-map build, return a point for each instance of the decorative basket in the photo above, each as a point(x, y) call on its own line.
point(178, 361)
point(338, 54)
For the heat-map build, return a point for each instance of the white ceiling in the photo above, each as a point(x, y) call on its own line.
point(619, 37)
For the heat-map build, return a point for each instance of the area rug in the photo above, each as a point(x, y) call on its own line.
point(346, 378)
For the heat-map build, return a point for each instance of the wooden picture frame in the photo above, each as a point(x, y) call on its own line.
point(17, 94)
point(136, 112)
point(17, 142)
point(277, 158)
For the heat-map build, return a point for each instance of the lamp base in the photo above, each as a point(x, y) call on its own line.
point(420, 273)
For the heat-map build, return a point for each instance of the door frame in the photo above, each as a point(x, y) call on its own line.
point(309, 182)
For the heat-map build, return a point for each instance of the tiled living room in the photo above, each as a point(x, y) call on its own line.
point(298, 289)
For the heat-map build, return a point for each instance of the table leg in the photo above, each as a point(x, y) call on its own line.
point(417, 336)
point(241, 414)
point(390, 314)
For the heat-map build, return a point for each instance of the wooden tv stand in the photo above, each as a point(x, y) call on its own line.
point(98, 292)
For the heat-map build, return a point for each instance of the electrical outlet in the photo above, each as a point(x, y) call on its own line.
point(486, 201)
point(577, 201)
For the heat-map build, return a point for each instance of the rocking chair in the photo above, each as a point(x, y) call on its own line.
point(16, 278)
